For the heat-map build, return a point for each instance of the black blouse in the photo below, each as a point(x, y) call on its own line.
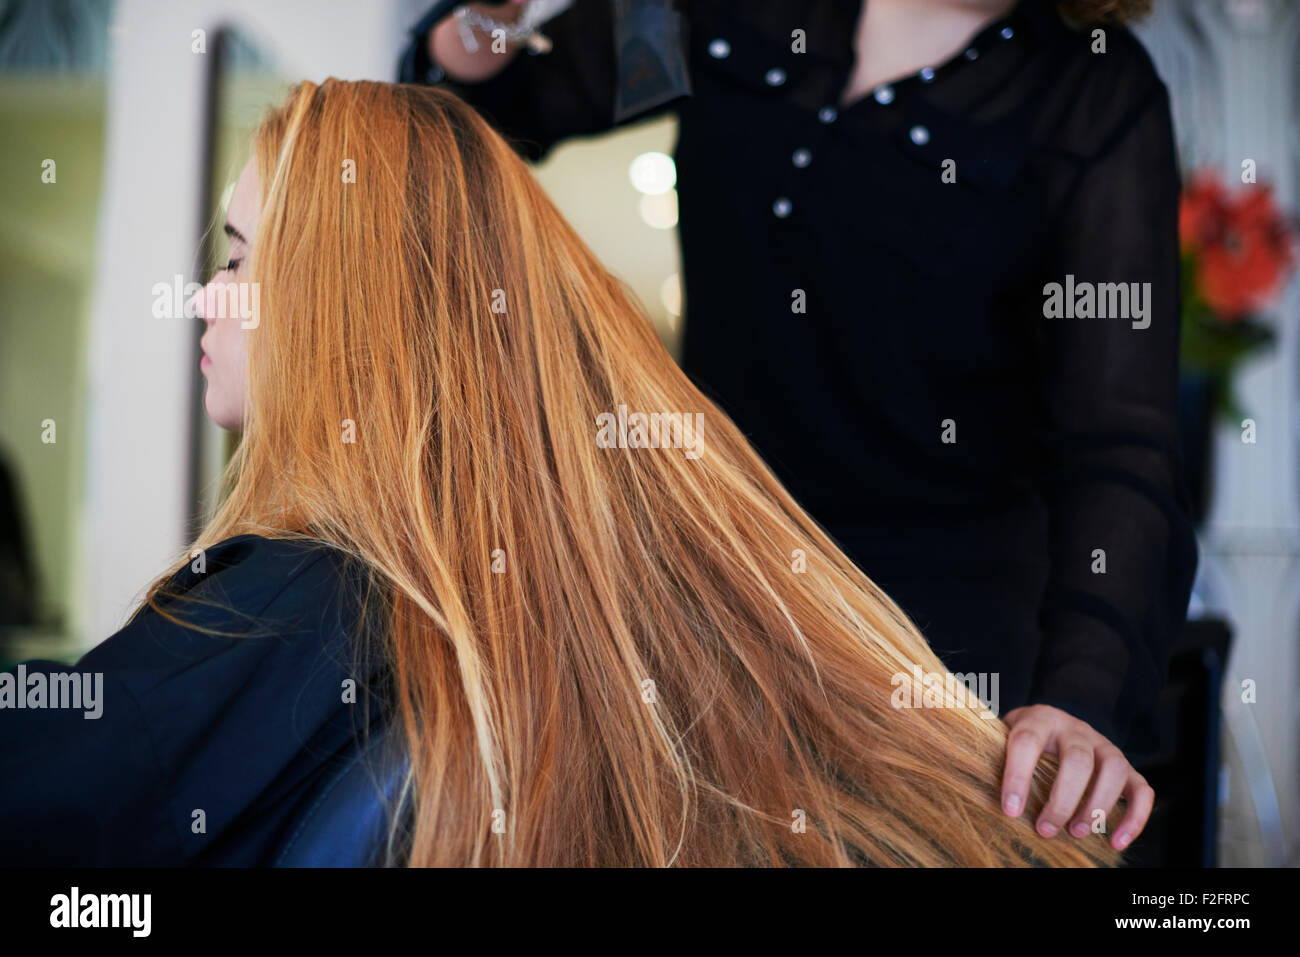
point(879, 329)
point(242, 729)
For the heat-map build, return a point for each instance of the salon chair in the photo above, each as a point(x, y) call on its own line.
point(1183, 828)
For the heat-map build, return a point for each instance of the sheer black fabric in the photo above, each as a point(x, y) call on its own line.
point(878, 328)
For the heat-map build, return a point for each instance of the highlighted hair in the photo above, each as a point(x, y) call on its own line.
point(671, 663)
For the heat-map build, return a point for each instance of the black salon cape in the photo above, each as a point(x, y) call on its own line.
point(239, 728)
point(852, 311)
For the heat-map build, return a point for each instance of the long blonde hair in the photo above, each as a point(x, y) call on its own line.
point(602, 655)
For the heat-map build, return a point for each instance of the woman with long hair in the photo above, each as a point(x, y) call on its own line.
point(607, 634)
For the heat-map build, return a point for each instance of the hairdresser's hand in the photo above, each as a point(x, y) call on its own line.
point(1085, 758)
point(448, 51)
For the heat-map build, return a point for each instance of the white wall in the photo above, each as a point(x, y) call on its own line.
point(1231, 66)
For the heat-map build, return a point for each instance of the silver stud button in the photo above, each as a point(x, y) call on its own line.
point(719, 48)
point(920, 135)
point(775, 76)
point(827, 114)
point(782, 208)
point(884, 94)
point(802, 157)
point(972, 54)
point(927, 74)
point(1008, 33)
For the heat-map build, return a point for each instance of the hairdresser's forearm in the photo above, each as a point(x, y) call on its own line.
point(448, 51)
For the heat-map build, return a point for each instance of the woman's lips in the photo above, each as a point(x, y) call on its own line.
point(205, 361)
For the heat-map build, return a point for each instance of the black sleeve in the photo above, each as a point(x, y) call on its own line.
point(1116, 493)
point(539, 99)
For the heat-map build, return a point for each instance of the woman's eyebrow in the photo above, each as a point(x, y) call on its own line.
point(234, 233)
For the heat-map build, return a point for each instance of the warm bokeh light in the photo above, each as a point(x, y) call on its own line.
point(660, 211)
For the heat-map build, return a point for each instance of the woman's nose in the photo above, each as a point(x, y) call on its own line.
point(197, 303)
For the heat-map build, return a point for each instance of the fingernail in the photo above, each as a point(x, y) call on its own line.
point(1122, 839)
point(1012, 803)
point(1046, 829)
point(1079, 830)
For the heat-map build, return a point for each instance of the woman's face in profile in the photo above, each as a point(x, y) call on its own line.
point(222, 305)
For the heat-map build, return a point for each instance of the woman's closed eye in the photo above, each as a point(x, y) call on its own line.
point(237, 241)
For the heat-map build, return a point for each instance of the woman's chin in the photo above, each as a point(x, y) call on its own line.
point(217, 415)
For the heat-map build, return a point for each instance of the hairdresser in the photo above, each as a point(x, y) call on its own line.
point(874, 199)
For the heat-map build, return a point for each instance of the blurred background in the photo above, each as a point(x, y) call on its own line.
point(124, 124)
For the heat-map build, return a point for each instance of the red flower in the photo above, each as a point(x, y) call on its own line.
point(1242, 246)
